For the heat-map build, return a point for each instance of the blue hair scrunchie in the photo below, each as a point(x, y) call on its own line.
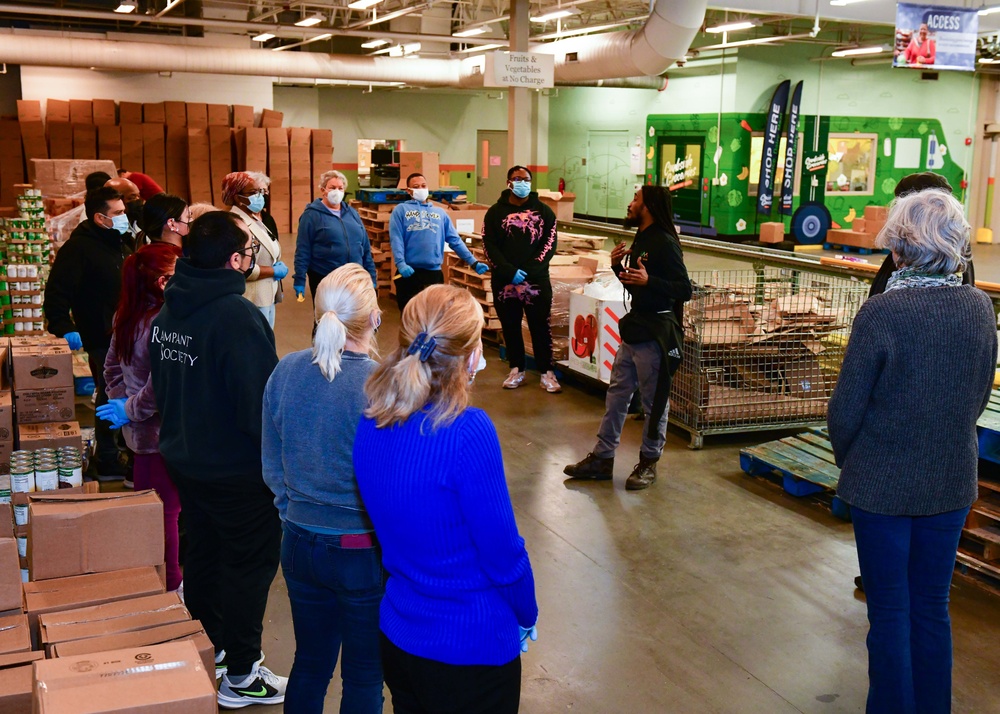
point(424, 345)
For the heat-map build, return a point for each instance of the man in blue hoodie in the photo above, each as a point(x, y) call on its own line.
point(418, 231)
point(211, 354)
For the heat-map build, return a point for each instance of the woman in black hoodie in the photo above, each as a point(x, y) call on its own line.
point(519, 236)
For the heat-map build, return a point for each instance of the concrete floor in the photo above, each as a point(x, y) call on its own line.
point(710, 592)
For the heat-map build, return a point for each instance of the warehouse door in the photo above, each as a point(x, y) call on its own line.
point(609, 183)
point(680, 171)
point(491, 173)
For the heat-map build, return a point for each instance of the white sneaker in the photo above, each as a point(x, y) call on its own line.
point(514, 379)
point(550, 384)
point(221, 666)
point(261, 686)
point(180, 594)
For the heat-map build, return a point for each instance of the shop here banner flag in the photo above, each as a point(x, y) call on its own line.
point(935, 37)
point(769, 155)
point(791, 145)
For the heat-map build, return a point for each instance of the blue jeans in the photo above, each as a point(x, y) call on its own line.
point(269, 314)
point(335, 594)
point(906, 566)
point(636, 367)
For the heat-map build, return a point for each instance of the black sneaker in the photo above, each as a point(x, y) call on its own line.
point(261, 686)
point(221, 666)
point(592, 467)
point(858, 583)
point(643, 474)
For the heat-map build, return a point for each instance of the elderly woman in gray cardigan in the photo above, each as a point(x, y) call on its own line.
point(916, 376)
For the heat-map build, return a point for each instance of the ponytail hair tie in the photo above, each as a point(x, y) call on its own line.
point(424, 345)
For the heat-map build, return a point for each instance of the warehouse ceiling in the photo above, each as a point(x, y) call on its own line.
point(441, 28)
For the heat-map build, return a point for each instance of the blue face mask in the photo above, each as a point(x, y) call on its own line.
point(120, 223)
point(521, 189)
point(256, 203)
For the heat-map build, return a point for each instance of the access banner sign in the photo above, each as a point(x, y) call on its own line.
point(933, 37)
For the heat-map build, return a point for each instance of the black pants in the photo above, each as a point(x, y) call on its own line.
point(314, 279)
point(106, 448)
point(407, 288)
point(537, 309)
point(232, 553)
point(425, 686)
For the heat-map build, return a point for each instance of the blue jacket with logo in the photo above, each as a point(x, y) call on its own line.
point(418, 231)
point(326, 241)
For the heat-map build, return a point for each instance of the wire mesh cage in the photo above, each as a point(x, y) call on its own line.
point(762, 349)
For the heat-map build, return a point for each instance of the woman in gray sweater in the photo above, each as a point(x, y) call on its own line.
point(916, 376)
point(330, 559)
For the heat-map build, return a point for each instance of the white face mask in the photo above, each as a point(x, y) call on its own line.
point(335, 196)
point(473, 371)
point(420, 194)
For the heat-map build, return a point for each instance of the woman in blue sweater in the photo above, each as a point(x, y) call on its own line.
point(460, 600)
point(329, 557)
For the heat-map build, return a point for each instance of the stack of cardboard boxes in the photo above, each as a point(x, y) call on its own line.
point(863, 230)
point(44, 398)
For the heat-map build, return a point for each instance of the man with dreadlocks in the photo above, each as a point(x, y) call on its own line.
point(656, 281)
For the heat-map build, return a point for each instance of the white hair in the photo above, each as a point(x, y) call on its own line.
point(260, 178)
point(345, 305)
point(332, 174)
point(927, 230)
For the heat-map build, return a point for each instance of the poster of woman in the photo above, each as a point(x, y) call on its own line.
point(935, 37)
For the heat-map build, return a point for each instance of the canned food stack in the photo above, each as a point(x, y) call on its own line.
point(25, 251)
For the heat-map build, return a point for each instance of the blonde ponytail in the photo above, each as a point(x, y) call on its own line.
point(345, 302)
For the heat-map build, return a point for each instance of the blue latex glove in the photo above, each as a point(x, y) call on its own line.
point(519, 277)
point(405, 271)
point(300, 291)
point(529, 634)
point(114, 412)
point(75, 342)
point(280, 270)
point(481, 268)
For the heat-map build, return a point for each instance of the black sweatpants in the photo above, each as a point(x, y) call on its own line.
point(407, 288)
point(537, 309)
point(105, 448)
point(232, 553)
point(425, 686)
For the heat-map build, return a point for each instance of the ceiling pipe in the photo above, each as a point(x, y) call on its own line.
point(657, 83)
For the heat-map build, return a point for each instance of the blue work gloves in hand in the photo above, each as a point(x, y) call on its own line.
point(405, 271)
point(114, 412)
point(300, 291)
point(481, 268)
point(529, 634)
point(519, 277)
point(280, 270)
point(73, 338)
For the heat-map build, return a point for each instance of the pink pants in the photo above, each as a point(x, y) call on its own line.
point(150, 471)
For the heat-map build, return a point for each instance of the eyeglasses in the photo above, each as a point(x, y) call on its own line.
point(254, 249)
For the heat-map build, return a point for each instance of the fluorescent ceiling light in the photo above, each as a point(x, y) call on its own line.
point(854, 51)
point(989, 60)
point(363, 4)
point(733, 26)
point(480, 48)
point(310, 21)
point(263, 37)
point(372, 44)
point(471, 32)
point(990, 10)
point(590, 28)
point(555, 15)
point(842, 3)
point(125, 6)
point(410, 48)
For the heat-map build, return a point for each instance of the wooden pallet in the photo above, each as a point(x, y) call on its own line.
point(979, 546)
point(803, 463)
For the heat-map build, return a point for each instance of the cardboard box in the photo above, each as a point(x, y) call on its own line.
point(242, 116)
point(220, 148)
point(29, 110)
point(20, 501)
point(299, 143)
point(876, 213)
point(175, 113)
point(58, 178)
point(129, 113)
point(166, 679)
point(6, 418)
point(154, 153)
point(109, 143)
point(85, 142)
point(218, 115)
point(322, 156)
point(110, 618)
point(174, 632)
point(270, 119)
point(153, 113)
point(131, 147)
point(6, 526)
point(177, 163)
point(859, 225)
point(33, 141)
point(197, 114)
point(32, 437)
point(11, 161)
point(81, 111)
point(251, 148)
point(56, 110)
point(850, 238)
point(82, 533)
point(85, 590)
point(199, 173)
point(16, 674)
point(419, 162)
point(105, 112)
point(562, 204)
point(36, 406)
point(60, 140)
point(772, 232)
point(466, 217)
point(42, 367)
point(14, 633)
point(593, 333)
point(10, 570)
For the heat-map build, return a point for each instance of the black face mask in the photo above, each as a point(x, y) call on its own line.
point(133, 209)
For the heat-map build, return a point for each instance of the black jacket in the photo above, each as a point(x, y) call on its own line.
point(211, 353)
point(86, 280)
point(519, 238)
point(889, 267)
point(668, 285)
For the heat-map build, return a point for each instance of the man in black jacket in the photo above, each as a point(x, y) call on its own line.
point(655, 277)
point(82, 294)
point(211, 353)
